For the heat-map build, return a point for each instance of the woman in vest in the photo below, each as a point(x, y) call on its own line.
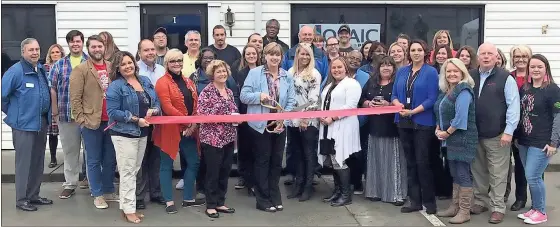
point(416, 91)
point(456, 128)
point(339, 137)
point(540, 132)
point(302, 133)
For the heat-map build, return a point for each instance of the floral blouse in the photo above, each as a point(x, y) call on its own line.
point(307, 90)
point(210, 102)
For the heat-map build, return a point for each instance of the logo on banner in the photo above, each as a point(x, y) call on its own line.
point(359, 33)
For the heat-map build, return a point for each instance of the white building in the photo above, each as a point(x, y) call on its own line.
point(504, 23)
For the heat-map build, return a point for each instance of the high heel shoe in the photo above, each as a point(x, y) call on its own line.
point(135, 221)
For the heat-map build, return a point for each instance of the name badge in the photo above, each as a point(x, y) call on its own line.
point(31, 85)
point(407, 100)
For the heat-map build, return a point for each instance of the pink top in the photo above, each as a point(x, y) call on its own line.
point(210, 102)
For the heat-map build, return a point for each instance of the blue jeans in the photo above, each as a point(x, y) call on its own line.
point(461, 173)
point(188, 151)
point(100, 160)
point(535, 162)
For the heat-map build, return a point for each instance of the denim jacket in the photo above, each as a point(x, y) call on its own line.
point(255, 84)
point(122, 104)
point(21, 101)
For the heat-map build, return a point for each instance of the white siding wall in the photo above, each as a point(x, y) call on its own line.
point(244, 22)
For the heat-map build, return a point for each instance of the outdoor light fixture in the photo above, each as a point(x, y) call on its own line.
point(229, 20)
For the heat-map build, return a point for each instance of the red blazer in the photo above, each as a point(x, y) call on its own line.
point(168, 136)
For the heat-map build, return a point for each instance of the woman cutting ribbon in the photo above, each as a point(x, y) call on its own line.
point(272, 87)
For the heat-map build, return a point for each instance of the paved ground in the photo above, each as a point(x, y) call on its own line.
point(79, 211)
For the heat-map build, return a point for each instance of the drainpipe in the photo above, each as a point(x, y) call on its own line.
point(258, 16)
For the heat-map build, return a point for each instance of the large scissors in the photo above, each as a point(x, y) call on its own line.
point(276, 106)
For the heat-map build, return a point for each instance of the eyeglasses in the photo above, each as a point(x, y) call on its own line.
point(520, 57)
point(354, 59)
point(180, 61)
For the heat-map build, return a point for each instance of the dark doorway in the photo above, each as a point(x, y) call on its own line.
point(20, 22)
point(177, 19)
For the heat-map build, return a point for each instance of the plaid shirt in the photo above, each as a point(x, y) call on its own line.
point(59, 80)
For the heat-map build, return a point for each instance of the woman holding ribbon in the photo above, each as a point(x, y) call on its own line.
point(302, 133)
point(217, 139)
point(131, 99)
point(268, 89)
point(339, 137)
point(178, 97)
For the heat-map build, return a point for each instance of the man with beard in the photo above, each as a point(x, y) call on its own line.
point(344, 38)
point(160, 42)
point(88, 84)
point(147, 178)
point(225, 52)
point(272, 29)
point(26, 103)
point(69, 130)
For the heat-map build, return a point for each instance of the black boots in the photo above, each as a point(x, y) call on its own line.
point(345, 197)
point(336, 190)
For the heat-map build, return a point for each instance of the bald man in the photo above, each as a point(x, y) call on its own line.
point(497, 115)
point(305, 35)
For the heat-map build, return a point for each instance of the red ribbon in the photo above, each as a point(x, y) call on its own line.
point(271, 116)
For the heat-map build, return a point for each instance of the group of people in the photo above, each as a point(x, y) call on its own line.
point(453, 137)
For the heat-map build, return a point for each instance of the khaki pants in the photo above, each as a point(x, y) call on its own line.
point(129, 152)
point(490, 169)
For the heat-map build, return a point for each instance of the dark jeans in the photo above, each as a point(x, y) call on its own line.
point(303, 145)
point(420, 176)
point(101, 160)
point(461, 173)
point(245, 157)
point(520, 180)
point(357, 161)
point(200, 174)
point(147, 178)
point(440, 167)
point(268, 152)
point(220, 160)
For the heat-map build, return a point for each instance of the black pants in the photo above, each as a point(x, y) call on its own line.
point(147, 179)
point(303, 145)
point(420, 180)
point(220, 161)
point(245, 157)
point(357, 161)
point(268, 151)
point(520, 180)
point(53, 144)
point(440, 167)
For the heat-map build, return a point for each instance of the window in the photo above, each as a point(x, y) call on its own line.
point(26, 21)
point(422, 22)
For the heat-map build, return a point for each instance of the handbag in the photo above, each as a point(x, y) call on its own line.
point(326, 146)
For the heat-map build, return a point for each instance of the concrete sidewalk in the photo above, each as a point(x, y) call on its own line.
point(79, 211)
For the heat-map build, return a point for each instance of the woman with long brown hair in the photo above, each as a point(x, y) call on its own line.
point(442, 37)
point(467, 55)
point(110, 47)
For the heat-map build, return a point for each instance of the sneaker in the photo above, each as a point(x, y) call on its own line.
point(195, 203)
point(536, 218)
point(84, 184)
point(171, 209)
point(113, 197)
point(100, 203)
point(180, 185)
point(240, 184)
point(66, 193)
point(526, 215)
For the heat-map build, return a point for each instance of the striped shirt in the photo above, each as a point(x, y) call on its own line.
point(59, 80)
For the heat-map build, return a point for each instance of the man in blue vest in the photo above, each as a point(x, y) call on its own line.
point(305, 35)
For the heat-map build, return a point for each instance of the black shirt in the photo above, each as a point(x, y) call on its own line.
point(230, 54)
point(379, 125)
point(344, 51)
point(538, 107)
point(187, 94)
point(239, 76)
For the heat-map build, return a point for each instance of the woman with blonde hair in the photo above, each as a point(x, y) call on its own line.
point(456, 128)
point(55, 53)
point(302, 133)
point(398, 53)
point(442, 37)
point(178, 97)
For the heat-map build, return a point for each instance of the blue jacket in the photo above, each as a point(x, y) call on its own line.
point(203, 81)
point(321, 61)
point(255, 84)
point(424, 92)
point(21, 100)
point(122, 104)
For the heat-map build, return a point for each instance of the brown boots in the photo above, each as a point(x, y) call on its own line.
point(460, 205)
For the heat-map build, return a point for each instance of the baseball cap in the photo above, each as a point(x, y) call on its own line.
point(161, 29)
point(344, 27)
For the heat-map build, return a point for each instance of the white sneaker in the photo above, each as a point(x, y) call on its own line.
point(180, 185)
point(113, 197)
point(100, 203)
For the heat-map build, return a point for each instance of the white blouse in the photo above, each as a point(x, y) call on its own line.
point(307, 90)
point(346, 130)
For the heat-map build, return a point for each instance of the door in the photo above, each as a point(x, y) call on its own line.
point(177, 19)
